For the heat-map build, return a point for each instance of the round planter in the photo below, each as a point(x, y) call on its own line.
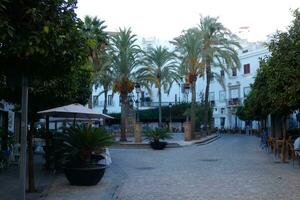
point(158, 145)
point(85, 176)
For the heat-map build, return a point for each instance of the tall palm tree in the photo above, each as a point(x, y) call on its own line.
point(126, 56)
point(160, 71)
point(104, 77)
point(219, 49)
point(188, 51)
point(97, 39)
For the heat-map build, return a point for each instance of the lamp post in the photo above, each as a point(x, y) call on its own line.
point(137, 90)
point(137, 127)
point(188, 124)
point(170, 121)
point(186, 91)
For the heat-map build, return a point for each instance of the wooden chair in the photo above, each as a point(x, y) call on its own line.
point(292, 151)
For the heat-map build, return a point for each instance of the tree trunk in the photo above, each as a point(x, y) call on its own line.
point(24, 114)
point(105, 101)
point(123, 116)
point(159, 107)
point(31, 184)
point(206, 102)
point(193, 107)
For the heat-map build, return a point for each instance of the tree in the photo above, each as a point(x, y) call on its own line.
point(97, 40)
point(104, 78)
point(160, 71)
point(39, 41)
point(126, 56)
point(218, 50)
point(188, 45)
point(276, 88)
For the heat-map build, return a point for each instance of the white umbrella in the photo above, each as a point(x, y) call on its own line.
point(74, 111)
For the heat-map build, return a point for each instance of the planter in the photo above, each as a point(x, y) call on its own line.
point(85, 176)
point(158, 145)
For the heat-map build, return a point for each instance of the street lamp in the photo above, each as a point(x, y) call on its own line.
point(186, 88)
point(137, 90)
point(170, 121)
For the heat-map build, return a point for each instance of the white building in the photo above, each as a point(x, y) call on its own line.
point(224, 100)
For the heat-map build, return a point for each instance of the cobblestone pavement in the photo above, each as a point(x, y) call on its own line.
point(232, 167)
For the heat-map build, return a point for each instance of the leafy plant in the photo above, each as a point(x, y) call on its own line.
point(157, 134)
point(78, 144)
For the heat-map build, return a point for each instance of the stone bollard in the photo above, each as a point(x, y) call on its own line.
point(187, 131)
point(137, 132)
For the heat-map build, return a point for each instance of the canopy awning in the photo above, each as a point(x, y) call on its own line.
point(74, 111)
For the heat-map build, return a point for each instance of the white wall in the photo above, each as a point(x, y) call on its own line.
point(241, 82)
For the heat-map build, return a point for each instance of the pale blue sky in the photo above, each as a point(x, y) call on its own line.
point(165, 19)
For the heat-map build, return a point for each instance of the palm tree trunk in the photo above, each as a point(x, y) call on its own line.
point(159, 107)
point(193, 107)
point(105, 101)
point(123, 116)
point(206, 103)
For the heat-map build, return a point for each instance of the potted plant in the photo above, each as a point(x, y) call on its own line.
point(155, 136)
point(79, 145)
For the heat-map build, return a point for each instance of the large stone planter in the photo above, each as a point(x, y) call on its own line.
point(158, 145)
point(187, 131)
point(137, 132)
point(85, 176)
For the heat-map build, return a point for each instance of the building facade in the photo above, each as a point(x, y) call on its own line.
point(224, 100)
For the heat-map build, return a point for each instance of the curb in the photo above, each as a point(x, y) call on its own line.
point(209, 140)
point(127, 145)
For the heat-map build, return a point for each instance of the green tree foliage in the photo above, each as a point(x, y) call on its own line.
point(219, 47)
point(126, 56)
point(159, 70)
point(39, 39)
point(188, 49)
point(97, 42)
point(276, 89)
point(42, 41)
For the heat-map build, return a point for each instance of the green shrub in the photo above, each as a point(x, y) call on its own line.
point(157, 134)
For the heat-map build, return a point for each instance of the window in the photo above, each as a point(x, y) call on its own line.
point(246, 91)
point(247, 69)
point(222, 111)
point(109, 100)
point(222, 73)
point(95, 100)
point(222, 122)
point(175, 98)
point(234, 93)
point(234, 72)
point(211, 96)
point(222, 95)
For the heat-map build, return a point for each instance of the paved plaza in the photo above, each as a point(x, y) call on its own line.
point(232, 167)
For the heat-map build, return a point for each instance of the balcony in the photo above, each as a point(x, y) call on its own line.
point(233, 102)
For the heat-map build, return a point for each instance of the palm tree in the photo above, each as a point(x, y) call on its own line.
point(97, 39)
point(126, 56)
point(187, 46)
point(160, 71)
point(218, 49)
point(104, 77)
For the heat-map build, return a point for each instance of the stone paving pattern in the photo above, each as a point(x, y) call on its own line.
point(232, 167)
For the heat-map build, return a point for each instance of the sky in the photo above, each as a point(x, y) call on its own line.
point(165, 19)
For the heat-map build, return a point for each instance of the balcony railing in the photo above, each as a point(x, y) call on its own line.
point(234, 102)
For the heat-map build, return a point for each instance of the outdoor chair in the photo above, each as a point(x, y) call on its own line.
point(279, 144)
point(292, 151)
